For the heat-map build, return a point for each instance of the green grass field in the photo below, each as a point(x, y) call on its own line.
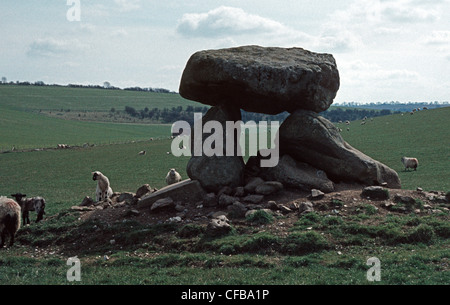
point(424, 135)
point(164, 254)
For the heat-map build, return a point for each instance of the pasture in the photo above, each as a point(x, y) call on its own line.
point(313, 249)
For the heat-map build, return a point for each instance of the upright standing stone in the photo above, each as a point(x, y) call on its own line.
point(215, 172)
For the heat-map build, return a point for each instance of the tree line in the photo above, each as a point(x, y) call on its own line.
point(179, 113)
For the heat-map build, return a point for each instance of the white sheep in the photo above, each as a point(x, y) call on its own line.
point(9, 220)
point(142, 152)
point(36, 204)
point(104, 190)
point(410, 162)
point(173, 177)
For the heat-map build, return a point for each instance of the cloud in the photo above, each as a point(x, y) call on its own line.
point(50, 47)
point(127, 5)
point(437, 38)
point(362, 72)
point(225, 21)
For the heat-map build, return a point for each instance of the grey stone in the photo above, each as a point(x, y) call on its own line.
point(226, 200)
point(295, 174)
point(143, 190)
point(269, 187)
point(214, 172)
point(310, 138)
point(162, 204)
point(305, 207)
point(252, 184)
point(187, 191)
point(257, 79)
point(375, 192)
point(253, 198)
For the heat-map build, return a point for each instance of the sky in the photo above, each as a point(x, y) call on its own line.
point(385, 50)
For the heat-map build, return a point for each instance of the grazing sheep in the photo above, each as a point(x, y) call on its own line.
point(36, 204)
point(143, 152)
point(173, 177)
point(103, 190)
point(410, 162)
point(9, 220)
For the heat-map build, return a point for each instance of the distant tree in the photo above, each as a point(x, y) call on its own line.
point(4, 80)
point(107, 85)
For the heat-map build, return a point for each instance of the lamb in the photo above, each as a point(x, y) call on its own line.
point(173, 177)
point(36, 204)
point(410, 162)
point(9, 220)
point(103, 190)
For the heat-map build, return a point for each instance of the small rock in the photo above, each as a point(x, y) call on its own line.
point(284, 209)
point(112, 241)
point(252, 184)
point(210, 200)
point(225, 190)
point(87, 201)
point(268, 187)
point(127, 197)
point(419, 189)
point(404, 199)
point(239, 192)
point(218, 214)
point(143, 190)
point(237, 210)
point(179, 208)
point(226, 200)
point(305, 207)
point(253, 198)
point(317, 194)
point(375, 192)
point(162, 204)
point(175, 219)
point(272, 205)
point(218, 227)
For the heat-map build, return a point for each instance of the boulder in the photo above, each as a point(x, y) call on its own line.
point(295, 174)
point(258, 79)
point(310, 138)
point(187, 191)
point(214, 172)
point(253, 198)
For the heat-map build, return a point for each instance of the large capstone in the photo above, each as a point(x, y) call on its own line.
point(265, 80)
point(310, 138)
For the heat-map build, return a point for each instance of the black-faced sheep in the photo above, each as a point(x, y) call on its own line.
point(410, 162)
point(9, 220)
point(173, 177)
point(36, 204)
point(103, 190)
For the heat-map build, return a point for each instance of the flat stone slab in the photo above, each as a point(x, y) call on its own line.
point(258, 79)
point(186, 191)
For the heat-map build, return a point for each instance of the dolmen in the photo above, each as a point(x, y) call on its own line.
point(271, 80)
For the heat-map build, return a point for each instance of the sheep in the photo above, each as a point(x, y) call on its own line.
point(104, 190)
point(36, 204)
point(173, 177)
point(141, 153)
point(410, 162)
point(9, 220)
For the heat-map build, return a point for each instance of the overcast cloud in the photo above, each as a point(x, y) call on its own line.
point(385, 49)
